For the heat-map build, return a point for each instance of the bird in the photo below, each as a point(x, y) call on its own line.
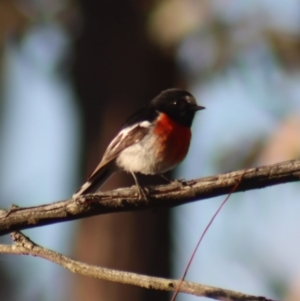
point(152, 141)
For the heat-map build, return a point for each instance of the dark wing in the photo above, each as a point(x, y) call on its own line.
point(104, 170)
point(134, 130)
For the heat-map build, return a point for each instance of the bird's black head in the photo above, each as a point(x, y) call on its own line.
point(180, 105)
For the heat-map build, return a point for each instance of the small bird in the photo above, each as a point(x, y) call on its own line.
point(152, 141)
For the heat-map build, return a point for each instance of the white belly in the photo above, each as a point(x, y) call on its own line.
point(143, 157)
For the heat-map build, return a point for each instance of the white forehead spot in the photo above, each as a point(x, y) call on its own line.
point(188, 99)
point(145, 124)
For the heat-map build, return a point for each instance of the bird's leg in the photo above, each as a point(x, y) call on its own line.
point(142, 191)
point(166, 178)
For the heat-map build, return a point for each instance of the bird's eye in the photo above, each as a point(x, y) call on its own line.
point(175, 103)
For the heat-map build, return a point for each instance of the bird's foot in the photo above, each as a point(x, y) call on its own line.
point(143, 193)
point(181, 182)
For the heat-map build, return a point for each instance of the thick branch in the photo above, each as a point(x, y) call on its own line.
point(126, 199)
point(23, 245)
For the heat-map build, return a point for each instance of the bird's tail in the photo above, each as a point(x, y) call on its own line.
point(95, 181)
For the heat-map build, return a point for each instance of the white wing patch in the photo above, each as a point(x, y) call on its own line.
point(145, 124)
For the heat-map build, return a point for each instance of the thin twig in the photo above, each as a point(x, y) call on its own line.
point(23, 245)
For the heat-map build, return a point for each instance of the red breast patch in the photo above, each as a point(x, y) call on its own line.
point(174, 140)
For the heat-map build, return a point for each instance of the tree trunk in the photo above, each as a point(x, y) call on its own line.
point(116, 72)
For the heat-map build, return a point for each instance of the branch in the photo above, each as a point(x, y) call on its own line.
point(164, 196)
point(23, 245)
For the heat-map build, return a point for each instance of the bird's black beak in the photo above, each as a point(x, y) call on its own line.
point(198, 108)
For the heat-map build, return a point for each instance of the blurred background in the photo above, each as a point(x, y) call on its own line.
point(72, 71)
